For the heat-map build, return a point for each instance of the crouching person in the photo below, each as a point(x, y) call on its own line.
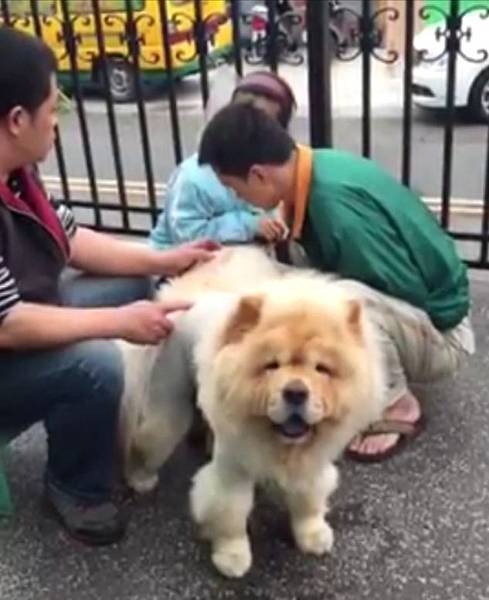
point(58, 364)
point(352, 218)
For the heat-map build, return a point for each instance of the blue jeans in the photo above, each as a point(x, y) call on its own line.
point(75, 391)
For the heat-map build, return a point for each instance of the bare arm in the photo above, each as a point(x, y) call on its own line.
point(39, 326)
point(101, 254)
point(30, 326)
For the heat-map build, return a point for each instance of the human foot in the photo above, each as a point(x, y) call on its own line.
point(400, 421)
point(94, 524)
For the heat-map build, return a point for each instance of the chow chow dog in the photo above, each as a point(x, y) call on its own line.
point(285, 380)
point(158, 405)
point(286, 368)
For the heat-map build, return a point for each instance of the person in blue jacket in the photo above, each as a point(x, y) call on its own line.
point(198, 205)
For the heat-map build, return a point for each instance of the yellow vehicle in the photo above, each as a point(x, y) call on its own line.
point(80, 29)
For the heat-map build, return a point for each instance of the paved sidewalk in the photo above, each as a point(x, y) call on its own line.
point(413, 528)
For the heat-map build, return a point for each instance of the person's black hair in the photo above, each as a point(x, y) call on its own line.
point(240, 136)
point(271, 86)
point(26, 67)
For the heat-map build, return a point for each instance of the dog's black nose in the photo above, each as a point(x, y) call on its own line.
point(295, 393)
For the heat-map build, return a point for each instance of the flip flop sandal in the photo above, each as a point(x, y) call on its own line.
point(406, 432)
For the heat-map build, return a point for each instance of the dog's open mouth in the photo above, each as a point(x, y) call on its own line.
point(294, 429)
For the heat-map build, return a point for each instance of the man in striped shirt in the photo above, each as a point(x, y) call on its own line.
point(58, 364)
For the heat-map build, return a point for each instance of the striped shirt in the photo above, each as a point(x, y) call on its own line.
point(9, 294)
point(66, 217)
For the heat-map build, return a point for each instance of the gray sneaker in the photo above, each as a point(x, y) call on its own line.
point(93, 524)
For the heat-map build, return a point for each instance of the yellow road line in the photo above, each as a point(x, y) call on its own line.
point(458, 206)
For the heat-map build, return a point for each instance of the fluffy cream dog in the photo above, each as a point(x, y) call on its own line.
point(288, 371)
point(285, 379)
point(158, 404)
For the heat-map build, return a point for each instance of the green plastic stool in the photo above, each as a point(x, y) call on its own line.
point(6, 504)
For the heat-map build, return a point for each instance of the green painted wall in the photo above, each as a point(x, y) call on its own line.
point(445, 5)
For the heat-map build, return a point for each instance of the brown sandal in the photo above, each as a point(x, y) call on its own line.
point(406, 432)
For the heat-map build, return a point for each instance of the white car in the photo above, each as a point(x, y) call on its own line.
point(472, 78)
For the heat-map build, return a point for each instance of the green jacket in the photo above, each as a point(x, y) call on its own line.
point(362, 224)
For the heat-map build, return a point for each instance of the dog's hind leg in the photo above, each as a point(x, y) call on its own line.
point(221, 500)
point(307, 502)
point(138, 369)
point(166, 415)
point(155, 441)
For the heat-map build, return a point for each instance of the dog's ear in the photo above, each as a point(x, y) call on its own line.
point(354, 316)
point(243, 320)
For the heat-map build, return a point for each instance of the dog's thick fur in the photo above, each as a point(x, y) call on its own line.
point(285, 381)
point(158, 404)
point(288, 370)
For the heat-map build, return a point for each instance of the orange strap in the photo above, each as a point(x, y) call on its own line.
point(302, 188)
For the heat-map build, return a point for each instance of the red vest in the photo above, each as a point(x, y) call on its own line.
point(33, 243)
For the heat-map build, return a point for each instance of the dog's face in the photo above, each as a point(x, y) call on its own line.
point(294, 370)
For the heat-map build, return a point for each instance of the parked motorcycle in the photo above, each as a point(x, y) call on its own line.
point(287, 33)
point(283, 37)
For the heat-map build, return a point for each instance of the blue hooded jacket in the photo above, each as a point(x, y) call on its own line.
point(199, 206)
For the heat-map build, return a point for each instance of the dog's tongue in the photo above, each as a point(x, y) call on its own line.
point(294, 427)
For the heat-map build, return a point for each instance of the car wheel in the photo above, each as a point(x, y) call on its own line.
point(121, 80)
point(335, 45)
point(479, 97)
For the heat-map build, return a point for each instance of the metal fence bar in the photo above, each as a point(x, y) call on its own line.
point(70, 43)
point(366, 43)
point(318, 41)
point(114, 137)
point(272, 36)
point(63, 172)
point(452, 48)
point(58, 146)
point(321, 131)
point(5, 12)
point(110, 207)
point(485, 213)
point(134, 49)
point(475, 264)
point(168, 59)
point(200, 36)
point(236, 20)
point(468, 236)
point(408, 81)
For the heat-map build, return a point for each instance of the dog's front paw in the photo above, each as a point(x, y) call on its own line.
point(314, 536)
point(232, 558)
point(142, 483)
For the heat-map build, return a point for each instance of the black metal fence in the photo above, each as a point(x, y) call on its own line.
point(106, 42)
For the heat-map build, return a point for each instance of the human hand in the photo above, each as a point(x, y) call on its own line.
point(271, 230)
point(147, 322)
point(182, 258)
point(204, 244)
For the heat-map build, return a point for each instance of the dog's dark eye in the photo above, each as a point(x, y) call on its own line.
point(272, 365)
point(323, 369)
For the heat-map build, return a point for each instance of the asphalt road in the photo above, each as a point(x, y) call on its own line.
point(413, 528)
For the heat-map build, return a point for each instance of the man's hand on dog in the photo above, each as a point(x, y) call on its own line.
point(147, 322)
